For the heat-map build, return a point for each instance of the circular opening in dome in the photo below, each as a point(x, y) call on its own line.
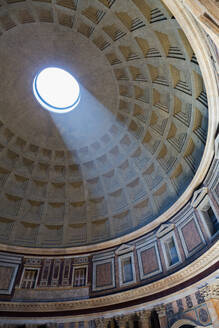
point(56, 90)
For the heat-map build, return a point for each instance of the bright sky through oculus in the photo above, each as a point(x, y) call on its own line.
point(56, 90)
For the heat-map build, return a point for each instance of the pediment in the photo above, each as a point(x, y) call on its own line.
point(198, 196)
point(123, 249)
point(164, 229)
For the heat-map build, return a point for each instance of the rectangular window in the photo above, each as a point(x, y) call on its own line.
point(29, 278)
point(80, 277)
point(127, 272)
point(209, 216)
point(211, 221)
point(171, 251)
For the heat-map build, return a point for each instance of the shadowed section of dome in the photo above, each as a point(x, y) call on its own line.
point(133, 144)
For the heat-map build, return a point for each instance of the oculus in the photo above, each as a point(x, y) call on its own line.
point(56, 90)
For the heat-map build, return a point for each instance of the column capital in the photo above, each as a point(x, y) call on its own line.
point(143, 314)
point(144, 318)
point(210, 291)
point(101, 322)
point(121, 320)
point(161, 310)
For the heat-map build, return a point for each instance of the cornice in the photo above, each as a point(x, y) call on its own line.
point(200, 265)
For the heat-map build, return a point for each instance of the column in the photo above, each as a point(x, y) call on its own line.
point(101, 322)
point(112, 323)
point(121, 321)
point(131, 321)
point(144, 318)
point(211, 297)
point(161, 311)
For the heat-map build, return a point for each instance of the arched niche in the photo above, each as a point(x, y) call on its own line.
point(185, 323)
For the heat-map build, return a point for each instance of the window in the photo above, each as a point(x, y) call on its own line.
point(209, 217)
point(29, 279)
point(80, 277)
point(211, 221)
point(126, 269)
point(171, 251)
point(127, 273)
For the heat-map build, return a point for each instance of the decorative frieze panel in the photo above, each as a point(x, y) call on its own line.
point(66, 272)
point(45, 273)
point(56, 272)
point(149, 260)
point(80, 274)
point(191, 235)
point(103, 272)
point(29, 278)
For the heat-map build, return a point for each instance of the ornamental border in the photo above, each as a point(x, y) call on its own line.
point(208, 260)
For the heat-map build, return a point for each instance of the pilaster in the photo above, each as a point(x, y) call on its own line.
point(161, 311)
point(122, 320)
point(211, 296)
point(101, 322)
point(144, 318)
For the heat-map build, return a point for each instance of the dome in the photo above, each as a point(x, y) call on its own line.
point(109, 206)
point(124, 159)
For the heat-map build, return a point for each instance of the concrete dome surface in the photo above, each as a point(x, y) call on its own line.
point(134, 143)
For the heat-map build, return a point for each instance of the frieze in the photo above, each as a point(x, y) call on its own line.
point(32, 262)
point(210, 291)
point(209, 258)
point(80, 260)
